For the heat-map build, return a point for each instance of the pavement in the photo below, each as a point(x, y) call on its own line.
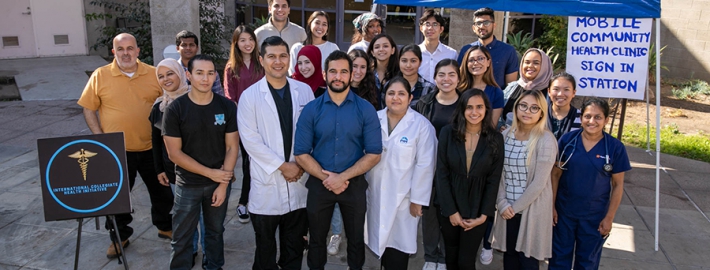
point(28, 242)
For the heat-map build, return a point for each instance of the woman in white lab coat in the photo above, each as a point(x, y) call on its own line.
point(401, 183)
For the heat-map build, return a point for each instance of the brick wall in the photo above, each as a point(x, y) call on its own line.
point(685, 29)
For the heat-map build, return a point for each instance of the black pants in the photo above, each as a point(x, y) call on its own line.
point(512, 259)
point(394, 259)
point(246, 180)
point(461, 246)
point(161, 197)
point(292, 226)
point(353, 206)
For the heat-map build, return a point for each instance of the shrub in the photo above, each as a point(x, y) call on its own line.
point(137, 15)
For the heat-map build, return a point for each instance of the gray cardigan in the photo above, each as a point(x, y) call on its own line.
point(535, 205)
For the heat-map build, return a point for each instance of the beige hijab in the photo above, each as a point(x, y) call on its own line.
point(168, 97)
point(542, 80)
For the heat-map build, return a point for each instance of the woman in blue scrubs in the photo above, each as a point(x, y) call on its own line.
point(587, 183)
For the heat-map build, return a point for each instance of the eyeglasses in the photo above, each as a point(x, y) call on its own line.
point(428, 24)
point(482, 23)
point(524, 107)
point(479, 59)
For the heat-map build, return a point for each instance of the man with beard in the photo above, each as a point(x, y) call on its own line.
point(279, 24)
point(504, 56)
point(266, 115)
point(123, 93)
point(337, 140)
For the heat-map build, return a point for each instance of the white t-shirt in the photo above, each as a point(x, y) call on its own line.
point(362, 45)
point(325, 49)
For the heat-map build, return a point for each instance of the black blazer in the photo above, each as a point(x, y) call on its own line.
point(471, 194)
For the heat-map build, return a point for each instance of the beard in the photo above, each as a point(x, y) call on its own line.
point(335, 89)
point(486, 36)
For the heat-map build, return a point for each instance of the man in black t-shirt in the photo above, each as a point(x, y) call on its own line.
point(200, 133)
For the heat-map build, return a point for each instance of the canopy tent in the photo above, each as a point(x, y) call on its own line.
point(588, 8)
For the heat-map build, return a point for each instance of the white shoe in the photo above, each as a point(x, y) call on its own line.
point(334, 245)
point(440, 266)
point(486, 256)
point(429, 266)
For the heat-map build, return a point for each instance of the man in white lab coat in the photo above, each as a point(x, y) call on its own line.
point(267, 115)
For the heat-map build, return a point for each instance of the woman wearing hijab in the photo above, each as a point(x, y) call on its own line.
point(309, 70)
point(172, 78)
point(367, 26)
point(535, 73)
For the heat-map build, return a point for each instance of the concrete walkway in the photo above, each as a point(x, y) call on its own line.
point(28, 242)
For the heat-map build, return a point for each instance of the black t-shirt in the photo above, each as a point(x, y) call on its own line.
point(202, 129)
point(441, 115)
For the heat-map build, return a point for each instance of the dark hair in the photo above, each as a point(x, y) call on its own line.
point(467, 80)
point(272, 41)
point(458, 122)
point(235, 55)
point(309, 34)
point(367, 89)
point(602, 104)
point(483, 12)
point(566, 76)
point(199, 57)
point(403, 81)
point(411, 48)
point(392, 65)
point(338, 55)
point(269, 2)
point(186, 34)
point(431, 13)
point(444, 63)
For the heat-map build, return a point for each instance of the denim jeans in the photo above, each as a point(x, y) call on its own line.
point(186, 213)
point(199, 235)
point(336, 223)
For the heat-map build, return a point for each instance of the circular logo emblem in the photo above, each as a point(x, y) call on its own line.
point(80, 195)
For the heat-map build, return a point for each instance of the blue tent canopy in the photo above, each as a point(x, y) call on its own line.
point(591, 8)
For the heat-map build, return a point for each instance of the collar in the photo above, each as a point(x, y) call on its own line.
point(116, 71)
point(288, 23)
point(183, 66)
point(438, 47)
point(490, 45)
point(349, 97)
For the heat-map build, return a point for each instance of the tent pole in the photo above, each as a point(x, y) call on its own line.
point(506, 19)
point(658, 123)
point(648, 118)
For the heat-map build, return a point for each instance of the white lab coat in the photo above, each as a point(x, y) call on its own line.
point(404, 174)
point(260, 133)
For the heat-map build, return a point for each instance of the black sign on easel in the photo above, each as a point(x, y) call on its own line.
point(84, 177)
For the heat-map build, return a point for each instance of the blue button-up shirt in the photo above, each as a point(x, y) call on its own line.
point(504, 57)
point(338, 136)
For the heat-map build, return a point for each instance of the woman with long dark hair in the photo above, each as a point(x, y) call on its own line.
point(316, 35)
point(243, 69)
point(363, 81)
point(383, 50)
point(469, 166)
point(477, 72)
point(438, 107)
point(410, 58)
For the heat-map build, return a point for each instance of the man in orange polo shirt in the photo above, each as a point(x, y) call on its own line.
point(123, 93)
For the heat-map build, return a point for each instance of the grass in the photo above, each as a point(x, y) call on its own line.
point(673, 142)
point(690, 89)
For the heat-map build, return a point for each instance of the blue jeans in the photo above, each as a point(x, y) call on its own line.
point(336, 223)
point(186, 214)
point(199, 236)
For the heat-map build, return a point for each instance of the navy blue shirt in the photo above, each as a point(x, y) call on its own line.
point(504, 56)
point(338, 136)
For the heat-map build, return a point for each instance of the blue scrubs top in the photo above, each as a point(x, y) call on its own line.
point(584, 186)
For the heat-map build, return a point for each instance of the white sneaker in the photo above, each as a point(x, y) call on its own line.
point(334, 245)
point(242, 214)
point(429, 266)
point(440, 266)
point(486, 256)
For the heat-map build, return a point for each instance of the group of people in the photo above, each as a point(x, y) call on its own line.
point(372, 140)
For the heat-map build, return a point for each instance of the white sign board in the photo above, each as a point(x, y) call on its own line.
point(609, 56)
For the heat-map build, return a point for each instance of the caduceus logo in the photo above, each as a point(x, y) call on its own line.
point(82, 157)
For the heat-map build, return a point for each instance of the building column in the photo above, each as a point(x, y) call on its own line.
point(167, 18)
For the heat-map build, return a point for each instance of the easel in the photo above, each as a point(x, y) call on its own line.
point(116, 244)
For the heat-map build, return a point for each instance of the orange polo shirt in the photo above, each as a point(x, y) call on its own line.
point(123, 102)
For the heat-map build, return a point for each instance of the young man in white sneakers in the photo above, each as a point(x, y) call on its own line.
point(267, 115)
